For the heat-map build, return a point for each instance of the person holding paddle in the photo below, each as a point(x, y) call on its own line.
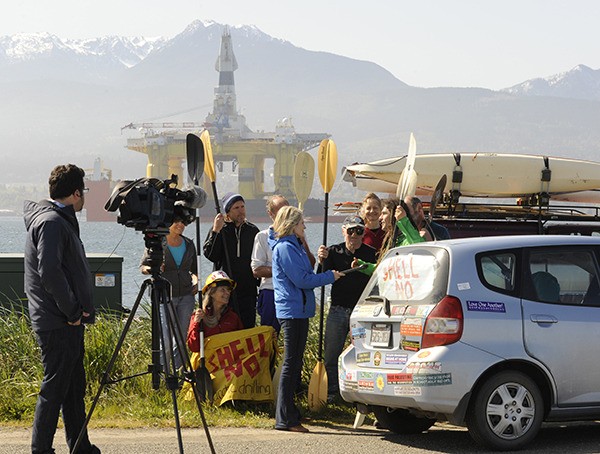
point(237, 234)
point(430, 230)
point(293, 283)
point(406, 233)
point(344, 293)
point(215, 316)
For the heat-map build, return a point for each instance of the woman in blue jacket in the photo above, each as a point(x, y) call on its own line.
point(293, 284)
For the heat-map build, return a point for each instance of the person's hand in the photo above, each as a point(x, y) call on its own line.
point(400, 213)
point(337, 274)
point(194, 284)
point(426, 235)
point(218, 223)
point(354, 263)
point(198, 315)
point(322, 253)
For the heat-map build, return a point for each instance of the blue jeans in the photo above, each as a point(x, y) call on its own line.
point(183, 307)
point(336, 331)
point(63, 388)
point(265, 306)
point(295, 333)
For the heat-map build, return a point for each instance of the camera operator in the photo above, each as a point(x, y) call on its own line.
point(239, 236)
point(180, 268)
point(58, 285)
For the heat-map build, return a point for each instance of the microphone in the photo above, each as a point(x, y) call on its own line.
point(194, 198)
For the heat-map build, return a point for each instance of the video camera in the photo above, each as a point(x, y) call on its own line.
point(150, 204)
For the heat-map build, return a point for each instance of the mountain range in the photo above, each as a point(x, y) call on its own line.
point(66, 100)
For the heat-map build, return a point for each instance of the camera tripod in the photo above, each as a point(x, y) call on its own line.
point(166, 333)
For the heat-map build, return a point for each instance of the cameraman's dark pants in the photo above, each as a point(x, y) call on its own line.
point(63, 388)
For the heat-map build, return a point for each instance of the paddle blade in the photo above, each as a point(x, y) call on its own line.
point(209, 163)
point(327, 162)
point(407, 184)
point(436, 198)
point(304, 175)
point(195, 157)
point(317, 388)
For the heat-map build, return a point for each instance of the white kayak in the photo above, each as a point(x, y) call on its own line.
point(483, 174)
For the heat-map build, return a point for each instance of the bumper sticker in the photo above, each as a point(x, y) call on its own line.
point(407, 391)
point(394, 358)
point(485, 306)
point(432, 380)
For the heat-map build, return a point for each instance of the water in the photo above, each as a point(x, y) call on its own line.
point(115, 239)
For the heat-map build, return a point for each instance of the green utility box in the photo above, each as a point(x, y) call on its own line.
point(106, 279)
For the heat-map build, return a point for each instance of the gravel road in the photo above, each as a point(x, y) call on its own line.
point(581, 438)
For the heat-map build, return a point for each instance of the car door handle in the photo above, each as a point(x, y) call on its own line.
point(542, 318)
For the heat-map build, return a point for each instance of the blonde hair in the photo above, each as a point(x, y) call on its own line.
point(287, 219)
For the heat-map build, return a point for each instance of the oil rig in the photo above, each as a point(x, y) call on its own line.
point(232, 141)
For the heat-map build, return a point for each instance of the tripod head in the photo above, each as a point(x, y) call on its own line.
point(153, 240)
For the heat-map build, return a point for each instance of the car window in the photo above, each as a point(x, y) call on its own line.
point(416, 275)
point(563, 276)
point(498, 270)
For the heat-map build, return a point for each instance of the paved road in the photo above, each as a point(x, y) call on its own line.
point(581, 438)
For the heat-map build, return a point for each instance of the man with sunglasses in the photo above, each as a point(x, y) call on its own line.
point(344, 293)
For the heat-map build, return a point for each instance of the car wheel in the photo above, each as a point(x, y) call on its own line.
point(506, 412)
point(401, 421)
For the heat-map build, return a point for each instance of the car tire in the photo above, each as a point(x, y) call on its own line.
point(506, 412)
point(400, 421)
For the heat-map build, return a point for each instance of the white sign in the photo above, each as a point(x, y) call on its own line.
point(105, 280)
point(406, 277)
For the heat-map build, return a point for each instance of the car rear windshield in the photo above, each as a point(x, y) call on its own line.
point(415, 275)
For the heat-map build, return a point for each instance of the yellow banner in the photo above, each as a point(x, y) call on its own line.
point(239, 364)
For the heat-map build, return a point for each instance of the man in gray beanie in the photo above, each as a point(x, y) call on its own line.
point(237, 234)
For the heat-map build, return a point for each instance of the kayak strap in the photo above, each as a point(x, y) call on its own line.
point(457, 178)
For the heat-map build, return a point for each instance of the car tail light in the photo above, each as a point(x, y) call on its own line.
point(444, 324)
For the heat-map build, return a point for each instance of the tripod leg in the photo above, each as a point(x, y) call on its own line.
point(188, 371)
point(105, 377)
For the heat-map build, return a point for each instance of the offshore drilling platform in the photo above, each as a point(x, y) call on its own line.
point(232, 141)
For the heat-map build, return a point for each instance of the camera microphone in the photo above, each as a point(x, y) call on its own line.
point(194, 198)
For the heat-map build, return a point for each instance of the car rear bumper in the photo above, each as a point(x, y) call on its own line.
point(431, 380)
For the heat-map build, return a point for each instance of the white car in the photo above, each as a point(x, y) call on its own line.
point(495, 333)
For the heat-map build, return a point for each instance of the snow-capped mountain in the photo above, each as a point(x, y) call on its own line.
point(126, 51)
point(580, 82)
point(70, 98)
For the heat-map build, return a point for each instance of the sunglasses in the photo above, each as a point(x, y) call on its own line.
point(355, 230)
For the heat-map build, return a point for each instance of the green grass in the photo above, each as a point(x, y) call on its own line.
point(129, 403)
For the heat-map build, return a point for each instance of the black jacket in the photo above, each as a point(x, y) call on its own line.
point(346, 290)
point(240, 242)
point(179, 278)
point(58, 282)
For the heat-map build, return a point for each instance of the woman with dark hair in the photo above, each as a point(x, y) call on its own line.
point(180, 268)
point(293, 283)
point(405, 233)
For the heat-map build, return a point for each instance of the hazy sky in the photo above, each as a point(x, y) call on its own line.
point(459, 43)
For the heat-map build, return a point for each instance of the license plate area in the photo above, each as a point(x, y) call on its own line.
point(381, 334)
